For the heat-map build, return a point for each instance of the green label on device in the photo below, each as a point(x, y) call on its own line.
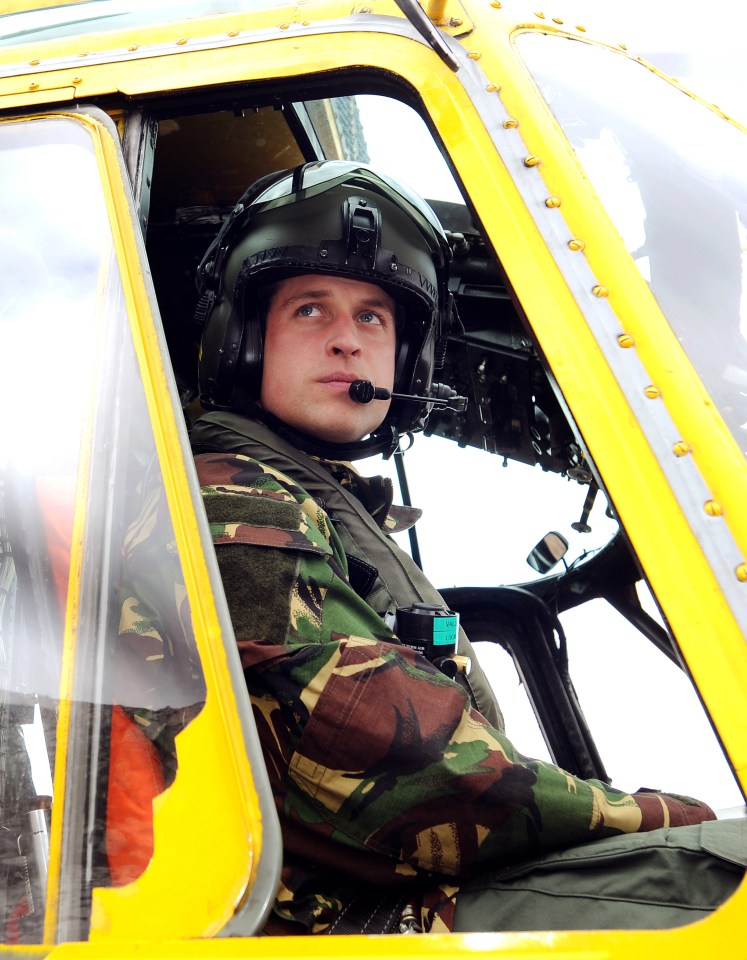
point(445, 631)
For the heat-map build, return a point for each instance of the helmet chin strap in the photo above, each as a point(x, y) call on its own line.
point(384, 440)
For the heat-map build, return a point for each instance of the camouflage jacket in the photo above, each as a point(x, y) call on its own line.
point(381, 767)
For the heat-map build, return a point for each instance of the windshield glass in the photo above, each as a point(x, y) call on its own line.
point(99, 15)
point(89, 573)
point(671, 174)
point(531, 501)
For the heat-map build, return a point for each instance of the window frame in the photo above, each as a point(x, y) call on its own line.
point(235, 847)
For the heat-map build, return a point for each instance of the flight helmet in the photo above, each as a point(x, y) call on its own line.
point(328, 217)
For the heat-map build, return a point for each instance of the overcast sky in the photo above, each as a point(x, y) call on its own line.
point(701, 44)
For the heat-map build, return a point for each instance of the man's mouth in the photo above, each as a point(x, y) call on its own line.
point(342, 378)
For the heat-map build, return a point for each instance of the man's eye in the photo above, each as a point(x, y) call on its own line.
point(308, 310)
point(368, 316)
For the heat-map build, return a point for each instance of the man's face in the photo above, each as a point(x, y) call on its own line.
point(322, 333)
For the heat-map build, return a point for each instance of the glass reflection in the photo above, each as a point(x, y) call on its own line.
point(98, 667)
point(49, 266)
point(673, 177)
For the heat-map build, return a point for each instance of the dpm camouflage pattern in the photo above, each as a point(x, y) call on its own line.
point(157, 675)
point(381, 770)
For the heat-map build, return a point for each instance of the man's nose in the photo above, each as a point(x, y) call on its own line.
point(344, 336)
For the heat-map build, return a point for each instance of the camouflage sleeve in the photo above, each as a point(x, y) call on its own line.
point(367, 744)
point(156, 672)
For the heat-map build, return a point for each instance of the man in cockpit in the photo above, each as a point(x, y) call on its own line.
point(393, 779)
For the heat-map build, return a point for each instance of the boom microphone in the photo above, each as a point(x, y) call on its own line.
point(363, 391)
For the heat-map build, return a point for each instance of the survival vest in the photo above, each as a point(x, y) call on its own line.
point(383, 574)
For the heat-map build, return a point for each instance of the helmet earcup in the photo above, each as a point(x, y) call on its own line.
point(231, 348)
point(219, 353)
point(249, 374)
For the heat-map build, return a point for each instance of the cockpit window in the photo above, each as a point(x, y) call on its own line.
point(671, 174)
point(96, 641)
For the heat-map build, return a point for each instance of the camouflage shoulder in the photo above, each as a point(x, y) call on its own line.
point(248, 502)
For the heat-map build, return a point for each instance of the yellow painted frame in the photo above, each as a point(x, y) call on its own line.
point(667, 547)
point(682, 579)
point(211, 751)
point(213, 802)
point(690, 595)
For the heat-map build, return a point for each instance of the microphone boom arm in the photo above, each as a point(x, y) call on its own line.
point(363, 391)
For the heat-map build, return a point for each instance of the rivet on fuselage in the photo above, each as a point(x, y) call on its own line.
point(557, 20)
point(576, 244)
point(233, 33)
point(538, 13)
point(713, 508)
point(77, 80)
point(496, 4)
point(626, 341)
point(741, 572)
point(33, 86)
point(681, 449)
point(456, 22)
point(181, 42)
point(600, 291)
point(511, 123)
point(531, 161)
point(33, 63)
point(493, 88)
point(474, 55)
point(552, 202)
point(580, 28)
point(652, 392)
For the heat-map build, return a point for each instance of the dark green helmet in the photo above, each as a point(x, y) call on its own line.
point(334, 217)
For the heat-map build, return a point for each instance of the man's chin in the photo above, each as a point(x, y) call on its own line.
point(338, 436)
point(338, 432)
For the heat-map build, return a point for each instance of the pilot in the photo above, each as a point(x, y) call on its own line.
point(386, 767)
point(393, 779)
